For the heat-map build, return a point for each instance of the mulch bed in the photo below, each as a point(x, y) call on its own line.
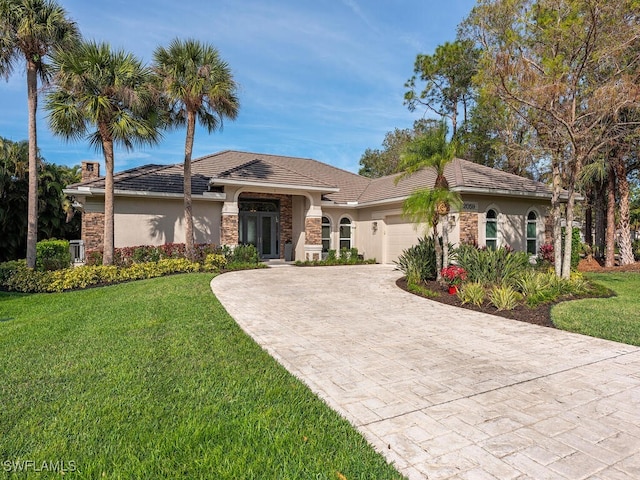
point(540, 315)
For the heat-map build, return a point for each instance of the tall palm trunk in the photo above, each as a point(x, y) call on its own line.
point(109, 237)
point(601, 213)
point(626, 249)
point(188, 209)
point(610, 235)
point(32, 199)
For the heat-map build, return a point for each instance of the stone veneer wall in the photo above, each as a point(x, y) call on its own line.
point(229, 230)
point(313, 231)
point(93, 230)
point(469, 228)
point(286, 215)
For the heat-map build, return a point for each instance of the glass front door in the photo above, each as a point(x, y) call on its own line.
point(258, 226)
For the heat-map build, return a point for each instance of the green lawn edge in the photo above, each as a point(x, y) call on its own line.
point(614, 318)
point(153, 379)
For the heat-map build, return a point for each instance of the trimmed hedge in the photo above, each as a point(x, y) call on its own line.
point(19, 278)
point(125, 256)
point(52, 254)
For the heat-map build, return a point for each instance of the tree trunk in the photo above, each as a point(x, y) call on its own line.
point(610, 238)
point(588, 217)
point(438, 248)
point(624, 241)
point(445, 241)
point(555, 215)
point(32, 199)
point(188, 210)
point(575, 168)
point(601, 209)
point(109, 236)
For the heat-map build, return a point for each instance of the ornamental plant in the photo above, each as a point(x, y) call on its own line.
point(454, 275)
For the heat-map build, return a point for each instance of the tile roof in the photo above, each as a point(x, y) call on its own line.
point(257, 168)
point(462, 176)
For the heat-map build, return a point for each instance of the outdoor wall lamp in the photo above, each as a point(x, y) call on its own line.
point(374, 227)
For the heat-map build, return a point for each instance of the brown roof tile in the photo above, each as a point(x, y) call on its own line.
point(462, 175)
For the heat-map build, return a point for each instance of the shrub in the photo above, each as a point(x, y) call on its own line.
point(473, 293)
point(499, 266)
point(421, 257)
point(537, 287)
point(214, 262)
point(9, 268)
point(23, 279)
point(52, 254)
point(454, 275)
point(245, 254)
point(546, 252)
point(636, 250)
point(504, 297)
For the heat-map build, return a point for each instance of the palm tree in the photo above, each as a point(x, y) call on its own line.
point(30, 30)
point(431, 150)
point(103, 96)
point(196, 84)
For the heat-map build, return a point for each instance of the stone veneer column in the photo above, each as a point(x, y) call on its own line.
point(313, 234)
point(229, 230)
point(93, 230)
point(469, 228)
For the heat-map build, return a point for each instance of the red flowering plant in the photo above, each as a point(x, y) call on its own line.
point(454, 275)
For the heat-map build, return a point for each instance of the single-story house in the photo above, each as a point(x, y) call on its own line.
point(299, 208)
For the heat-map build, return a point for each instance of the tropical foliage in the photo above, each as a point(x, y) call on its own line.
point(492, 266)
point(418, 262)
point(53, 221)
point(104, 97)
point(431, 206)
point(196, 85)
point(30, 29)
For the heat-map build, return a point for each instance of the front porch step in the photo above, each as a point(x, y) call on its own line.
point(276, 262)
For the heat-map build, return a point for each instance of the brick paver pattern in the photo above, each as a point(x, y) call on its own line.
point(444, 392)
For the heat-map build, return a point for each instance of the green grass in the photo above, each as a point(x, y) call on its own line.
point(153, 379)
point(615, 318)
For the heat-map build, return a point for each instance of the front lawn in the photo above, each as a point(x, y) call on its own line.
point(153, 379)
point(615, 318)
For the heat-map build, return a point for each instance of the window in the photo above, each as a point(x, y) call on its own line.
point(345, 233)
point(532, 233)
point(326, 234)
point(491, 229)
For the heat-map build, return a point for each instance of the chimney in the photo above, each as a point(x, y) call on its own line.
point(90, 171)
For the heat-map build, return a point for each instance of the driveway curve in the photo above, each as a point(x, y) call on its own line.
point(444, 392)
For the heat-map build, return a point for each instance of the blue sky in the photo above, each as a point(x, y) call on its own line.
point(318, 79)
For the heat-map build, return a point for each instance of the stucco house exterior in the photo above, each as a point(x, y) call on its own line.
point(298, 208)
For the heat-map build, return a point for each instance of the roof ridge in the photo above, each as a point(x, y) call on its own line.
point(271, 162)
point(158, 167)
point(502, 172)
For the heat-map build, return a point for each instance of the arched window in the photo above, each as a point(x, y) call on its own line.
point(345, 233)
point(532, 233)
point(491, 229)
point(326, 234)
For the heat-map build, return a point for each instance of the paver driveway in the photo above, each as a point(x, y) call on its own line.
point(444, 392)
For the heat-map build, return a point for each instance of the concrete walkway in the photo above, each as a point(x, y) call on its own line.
point(443, 392)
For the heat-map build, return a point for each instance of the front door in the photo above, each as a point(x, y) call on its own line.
point(258, 226)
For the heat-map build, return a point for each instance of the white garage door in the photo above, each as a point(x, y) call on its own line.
point(399, 235)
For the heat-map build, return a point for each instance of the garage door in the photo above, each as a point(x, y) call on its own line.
point(399, 235)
